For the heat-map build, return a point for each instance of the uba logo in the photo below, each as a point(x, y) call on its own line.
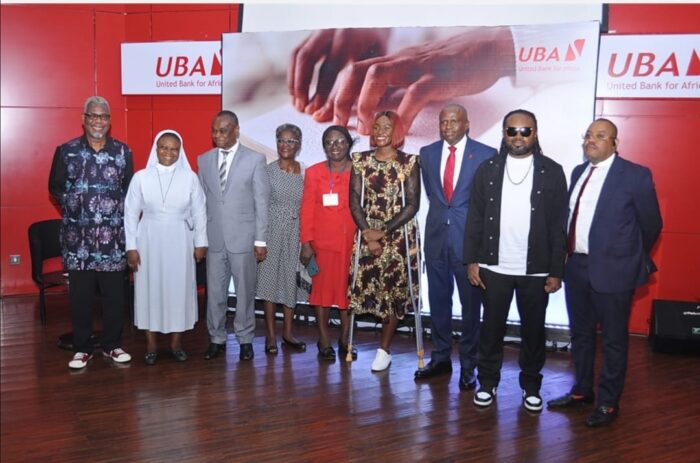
point(546, 54)
point(645, 64)
point(179, 66)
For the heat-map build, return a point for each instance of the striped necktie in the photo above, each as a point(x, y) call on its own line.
point(222, 169)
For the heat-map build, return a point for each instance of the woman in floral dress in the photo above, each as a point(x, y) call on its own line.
point(384, 198)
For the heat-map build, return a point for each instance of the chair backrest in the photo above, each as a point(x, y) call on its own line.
point(44, 243)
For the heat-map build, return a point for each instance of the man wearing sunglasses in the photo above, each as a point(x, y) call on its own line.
point(89, 179)
point(515, 243)
point(614, 221)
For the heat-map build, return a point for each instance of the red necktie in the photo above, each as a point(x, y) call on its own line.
point(448, 178)
point(571, 238)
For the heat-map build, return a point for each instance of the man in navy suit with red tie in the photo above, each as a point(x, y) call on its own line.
point(614, 221)
point(448, 167)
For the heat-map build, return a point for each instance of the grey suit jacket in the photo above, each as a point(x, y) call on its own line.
point(236, 217)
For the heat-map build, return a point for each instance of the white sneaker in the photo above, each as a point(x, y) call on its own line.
point(484, 397)
point(532, 402)
point(80, 360)
point(117, 355)
point(381, 361)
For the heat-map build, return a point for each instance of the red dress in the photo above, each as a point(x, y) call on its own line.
point(331, 231)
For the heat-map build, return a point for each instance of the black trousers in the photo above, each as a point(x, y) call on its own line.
point(83, 287)
point(532, 301)
point(586, 308)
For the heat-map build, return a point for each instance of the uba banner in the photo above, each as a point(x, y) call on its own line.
point(171, 68)
point(314, 78)
point(649, 66)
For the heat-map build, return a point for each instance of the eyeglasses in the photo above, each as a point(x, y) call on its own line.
point(598, 136)
point(94, 117)
point(288, 141)
point(334, 143)
point(523, 131)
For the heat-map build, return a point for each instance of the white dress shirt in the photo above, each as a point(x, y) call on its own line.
point(588, 202)
point(229, 158)
point(459, 156)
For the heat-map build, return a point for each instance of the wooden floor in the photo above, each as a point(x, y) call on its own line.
point(294, 408)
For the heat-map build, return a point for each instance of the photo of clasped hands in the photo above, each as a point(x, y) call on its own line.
point(354, 70)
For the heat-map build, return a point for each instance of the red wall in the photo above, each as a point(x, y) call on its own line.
point(54, 56)
point(661, 134)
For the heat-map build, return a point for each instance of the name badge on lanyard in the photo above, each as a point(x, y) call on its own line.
point(330, 199)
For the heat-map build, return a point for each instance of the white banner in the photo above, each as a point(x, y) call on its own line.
point(171, 68)
point(649, 66)
point(547, 69)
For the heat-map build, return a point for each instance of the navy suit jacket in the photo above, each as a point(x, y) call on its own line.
point(626, 224)
point(447, 222)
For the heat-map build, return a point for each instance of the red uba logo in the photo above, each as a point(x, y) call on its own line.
point(546, 54)
point(647, 64)
point(180, 66)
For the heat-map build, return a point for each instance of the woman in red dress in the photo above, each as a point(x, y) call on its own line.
point(327, 233)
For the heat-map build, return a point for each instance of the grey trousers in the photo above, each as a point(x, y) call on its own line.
point(221, 266)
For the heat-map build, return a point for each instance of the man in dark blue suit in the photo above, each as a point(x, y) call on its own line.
point(448, 167)
point(614, 221)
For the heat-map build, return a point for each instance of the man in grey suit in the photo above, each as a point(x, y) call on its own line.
point(237, 190)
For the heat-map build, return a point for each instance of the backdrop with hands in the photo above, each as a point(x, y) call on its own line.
point(356, 71)
point(343, 76)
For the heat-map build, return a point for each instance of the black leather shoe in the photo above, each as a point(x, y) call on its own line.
point(150, 358)
point(433, 369)
point(271, 349)
point(343, 351)
point(326, 353)
point(570, 401)
point(214, 350)
point(300, 346)
point(179, 355)
point(246, 352)
point(467, 380)
point(602, 416)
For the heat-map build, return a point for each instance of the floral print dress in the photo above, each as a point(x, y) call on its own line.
point(385, 195)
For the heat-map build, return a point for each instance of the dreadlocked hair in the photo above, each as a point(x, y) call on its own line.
point(536, 149)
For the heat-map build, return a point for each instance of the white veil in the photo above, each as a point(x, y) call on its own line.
point(181, 163)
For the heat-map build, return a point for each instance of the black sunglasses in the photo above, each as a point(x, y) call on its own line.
point(523, 131)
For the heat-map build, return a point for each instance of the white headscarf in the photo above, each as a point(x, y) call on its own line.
point(181, 163)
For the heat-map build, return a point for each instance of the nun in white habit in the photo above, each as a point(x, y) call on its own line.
point(165, 222)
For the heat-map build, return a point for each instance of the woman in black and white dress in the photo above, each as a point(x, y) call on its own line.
point(277, 274)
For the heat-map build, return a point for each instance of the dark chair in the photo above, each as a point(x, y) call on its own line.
point(44, 244)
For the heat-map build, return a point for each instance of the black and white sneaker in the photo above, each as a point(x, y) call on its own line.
point(532, 401)
point(484, 396)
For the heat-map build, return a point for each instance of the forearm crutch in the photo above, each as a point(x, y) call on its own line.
point(355, 265)
point(415, 303)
